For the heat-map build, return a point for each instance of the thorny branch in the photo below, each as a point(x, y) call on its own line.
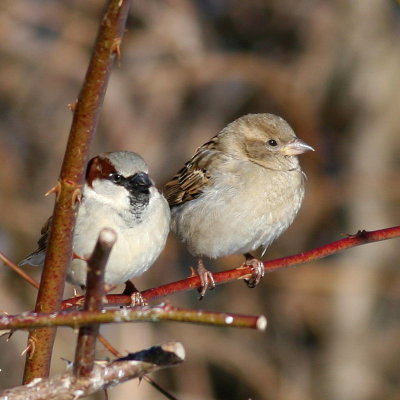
point(361, 237)
point(162, 312)
point(86, 115)
point(68, 387)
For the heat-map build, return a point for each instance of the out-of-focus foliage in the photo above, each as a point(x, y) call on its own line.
point(331, 68)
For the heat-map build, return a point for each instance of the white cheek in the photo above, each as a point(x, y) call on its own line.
point(109, 193)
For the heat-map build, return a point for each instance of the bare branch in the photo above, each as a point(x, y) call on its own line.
point(162, 312)
point(18, 270)
point(69, 387)
point(361, 237)
point(86, 115)
point(85, 348)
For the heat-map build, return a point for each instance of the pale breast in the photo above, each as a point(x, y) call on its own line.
point(137, 245)
point(240, 211)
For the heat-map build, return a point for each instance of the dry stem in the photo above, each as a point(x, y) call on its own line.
point(86, 345)
point(162, 312)
point(104, 375)
point(59, 250)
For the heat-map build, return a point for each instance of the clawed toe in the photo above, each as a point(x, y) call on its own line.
point(258, 271)
point(207, 282)
point(206, 279)
point(137, 300)
point(136, 297)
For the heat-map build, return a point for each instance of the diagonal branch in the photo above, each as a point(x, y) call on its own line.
point(104, 375)
point(18, 270)
point(86, 115)
point(360, 238)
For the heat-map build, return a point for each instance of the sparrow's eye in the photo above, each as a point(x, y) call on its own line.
point(116, 178)
point(272, 142)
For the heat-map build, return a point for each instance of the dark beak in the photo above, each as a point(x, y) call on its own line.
point(140, 182)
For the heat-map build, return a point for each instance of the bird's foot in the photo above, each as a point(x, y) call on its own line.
point(137, 300)
point(206, 278)
point(258, 270)
point(136, 297)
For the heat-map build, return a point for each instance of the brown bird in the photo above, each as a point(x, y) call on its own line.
point(239, 192)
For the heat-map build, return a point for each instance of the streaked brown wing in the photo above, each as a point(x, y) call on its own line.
point(186, 185)
point(189, 182)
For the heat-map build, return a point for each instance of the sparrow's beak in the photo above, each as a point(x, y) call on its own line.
point(140, 182)
point(296, 147)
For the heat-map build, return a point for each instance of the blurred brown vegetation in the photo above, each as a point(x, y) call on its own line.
point(331, 68)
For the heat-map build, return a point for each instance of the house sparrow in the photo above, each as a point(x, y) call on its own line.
point(118, 194)
point(238, 192)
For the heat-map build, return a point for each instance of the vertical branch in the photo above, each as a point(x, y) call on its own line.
point(85, 348)
point(59, 251)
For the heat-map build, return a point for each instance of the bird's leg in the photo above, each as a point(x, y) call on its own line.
point(206, 278)
point(136, 297)
point(258, 270)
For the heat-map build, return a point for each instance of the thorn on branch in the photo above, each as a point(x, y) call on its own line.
point(103, 375)
point(56, 189)
point(77, 196)
point(116, 49)
point(72, 106)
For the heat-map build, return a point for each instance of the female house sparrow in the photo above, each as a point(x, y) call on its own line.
point(117, 194)
point(238, 192)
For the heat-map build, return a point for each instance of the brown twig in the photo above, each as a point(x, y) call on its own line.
point(18, 270)
point(109, 346)
point(162, 312)
point(86, 115)
point(104, 375)
point(86, 344)
point(361, 237)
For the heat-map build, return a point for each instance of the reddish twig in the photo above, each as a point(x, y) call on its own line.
point(96, 265)
point(86, 115)
point(361, 237)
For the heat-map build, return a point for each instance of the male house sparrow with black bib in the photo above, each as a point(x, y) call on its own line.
point(239, 191)
point(118, 194)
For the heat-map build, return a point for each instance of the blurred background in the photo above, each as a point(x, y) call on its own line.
point(331, 68)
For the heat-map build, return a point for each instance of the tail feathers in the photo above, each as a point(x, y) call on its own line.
point(36, 259)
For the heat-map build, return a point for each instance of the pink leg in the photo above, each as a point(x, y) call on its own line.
point(206, 278)
point(258, 270)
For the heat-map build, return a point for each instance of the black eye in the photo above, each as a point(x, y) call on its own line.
point(116, 178)
point(272, 142)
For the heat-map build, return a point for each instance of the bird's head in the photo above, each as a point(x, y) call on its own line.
point(119, 178)
point(265, 139)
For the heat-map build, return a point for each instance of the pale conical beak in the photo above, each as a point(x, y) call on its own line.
point(296, 147)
